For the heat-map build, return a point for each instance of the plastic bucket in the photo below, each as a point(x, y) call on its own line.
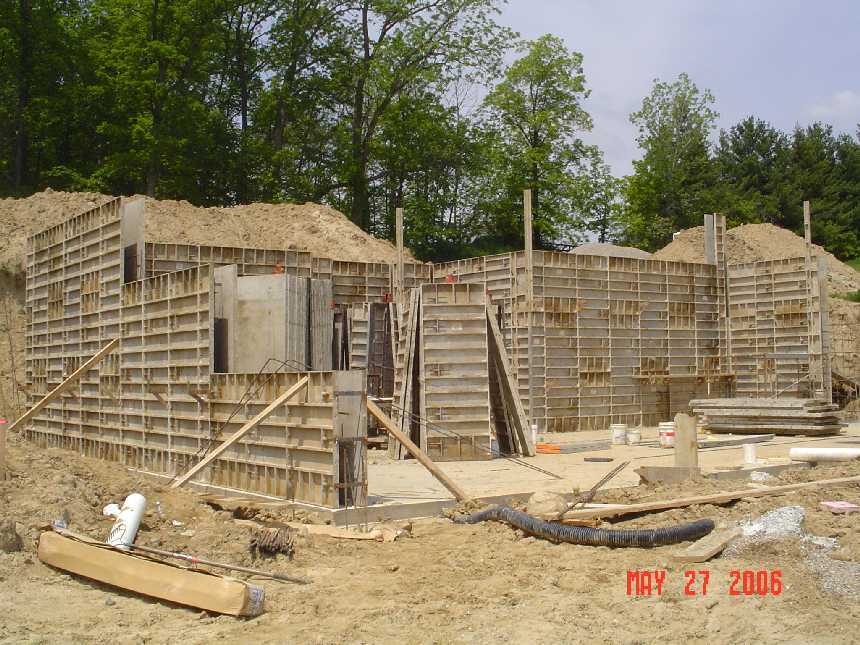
point(667, 434)
point(619, 433)
point(634, 436)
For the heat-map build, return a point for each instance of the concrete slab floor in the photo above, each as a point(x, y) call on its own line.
point(402, 482)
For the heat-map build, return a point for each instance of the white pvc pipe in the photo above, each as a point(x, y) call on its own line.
point(124, 530)
point(824, 454)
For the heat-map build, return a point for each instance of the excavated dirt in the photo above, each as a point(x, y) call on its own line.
point(611, 250)
point(310, 227)
point(484, 583)
point(757, 242)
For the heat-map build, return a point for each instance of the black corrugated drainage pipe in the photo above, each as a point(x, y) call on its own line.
point(557, 532)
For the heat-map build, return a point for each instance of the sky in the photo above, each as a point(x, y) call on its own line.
point(785, 61)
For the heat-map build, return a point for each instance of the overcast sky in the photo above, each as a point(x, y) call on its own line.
point(786, 61)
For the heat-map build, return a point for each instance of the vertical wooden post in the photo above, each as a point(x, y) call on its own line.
point(530, 295)
point(686, 442)
point(398, 272)
point(815, 362)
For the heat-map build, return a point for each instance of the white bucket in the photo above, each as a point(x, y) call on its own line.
point(124, 530)
point(667, 434)
point(749, 454)
point(634, 436)
point(619, 433)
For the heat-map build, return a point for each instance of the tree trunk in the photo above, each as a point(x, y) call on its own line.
point(24, 67)
point(359, 211)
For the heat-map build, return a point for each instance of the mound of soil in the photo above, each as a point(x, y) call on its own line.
point(611, 250)
point(310, 227)
point(757, 242)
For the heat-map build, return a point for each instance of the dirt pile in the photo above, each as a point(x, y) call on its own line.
point(757, 242)
point(310, 227)
point(611, 250)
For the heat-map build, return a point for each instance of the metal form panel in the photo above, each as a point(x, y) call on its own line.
point(779, 338)
point(155, 404)
point(599, 340)
point(454, 372)
point(310, 450)
point(73, 284)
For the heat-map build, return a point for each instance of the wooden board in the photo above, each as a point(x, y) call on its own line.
point(716, 498)
point(707, 547)
point(148, 577)
point(66, 384)
point(508, 385)
point(666, 474)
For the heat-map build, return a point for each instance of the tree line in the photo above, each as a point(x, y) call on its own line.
point(367, 105)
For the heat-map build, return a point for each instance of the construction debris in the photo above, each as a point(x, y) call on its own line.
point(788, 416)
point(840, 507)
point(106, 564)
point(717, 498)
point(272, 541)
point(707, 547)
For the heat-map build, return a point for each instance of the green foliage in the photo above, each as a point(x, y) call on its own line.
point(372, 105)
point(533, 117)
point(851, 296)
point(854, 264)
point(672, 185)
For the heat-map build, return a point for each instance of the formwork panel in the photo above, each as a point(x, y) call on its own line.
point(454, 372)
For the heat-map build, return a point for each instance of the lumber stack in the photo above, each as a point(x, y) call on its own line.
point(809, 417)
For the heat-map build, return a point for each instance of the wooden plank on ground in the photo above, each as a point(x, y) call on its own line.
point(707, 547)
point(65, 385)
point(96, 561)
point(241, 432)
point(716, 498)
point(419, 454)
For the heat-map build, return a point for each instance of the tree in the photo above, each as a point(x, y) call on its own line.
point(599, 200)
point(536, 115)
point(672, 185)
point(394, 45)
point(753, 162)
point(162, 135)
point(820, 173)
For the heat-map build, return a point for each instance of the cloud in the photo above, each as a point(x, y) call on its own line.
point(842, 109)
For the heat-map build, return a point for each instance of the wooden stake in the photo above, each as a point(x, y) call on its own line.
point(2, 449)
point(398, 273)
point(241, 432)
point(65, 385)
point(686, 442)
point(419, 454)
point(508, 385)
point(530, 294)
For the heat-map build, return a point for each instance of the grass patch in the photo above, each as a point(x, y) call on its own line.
point(851, 296)
point(854, 264)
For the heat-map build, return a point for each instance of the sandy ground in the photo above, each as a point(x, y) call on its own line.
point(406, 481)
point(447, 583)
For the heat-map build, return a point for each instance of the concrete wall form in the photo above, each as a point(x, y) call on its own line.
point(155, 404)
